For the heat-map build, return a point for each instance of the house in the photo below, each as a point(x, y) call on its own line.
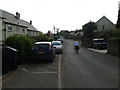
point(11, 24)
point(104, 25)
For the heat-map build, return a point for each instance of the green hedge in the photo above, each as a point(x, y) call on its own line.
point(23, 44)
point(117, 33)
point(113, 39)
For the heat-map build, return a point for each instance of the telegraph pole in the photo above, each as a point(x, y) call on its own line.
point(54, 31)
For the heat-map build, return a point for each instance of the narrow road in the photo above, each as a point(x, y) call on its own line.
point(88, 69)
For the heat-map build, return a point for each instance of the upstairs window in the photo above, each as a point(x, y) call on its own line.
point(17, 28)
point(23, 29)
point(9, 28)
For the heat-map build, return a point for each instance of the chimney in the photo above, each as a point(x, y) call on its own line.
point(17, 15)
point(30, 22)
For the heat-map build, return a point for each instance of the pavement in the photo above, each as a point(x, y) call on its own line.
point(99, 51)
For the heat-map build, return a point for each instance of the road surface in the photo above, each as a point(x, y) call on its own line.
point(88, 69)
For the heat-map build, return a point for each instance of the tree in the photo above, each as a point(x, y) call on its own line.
point(118, 21)
point(41, 37)
point(88, 29)
point(88, 34)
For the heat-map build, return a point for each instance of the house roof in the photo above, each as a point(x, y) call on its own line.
point(11, 18)
point(106, 19)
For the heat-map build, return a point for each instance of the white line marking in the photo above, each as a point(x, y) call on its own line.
point(59, 75)
point(25, 69)
point(53, 67)
point(44, 72)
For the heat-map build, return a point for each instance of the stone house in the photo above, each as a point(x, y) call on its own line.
point(11, 24)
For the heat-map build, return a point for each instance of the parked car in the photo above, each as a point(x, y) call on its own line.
point(99, 43)
point(60, 39)
point(43, 51)
point(57, 45)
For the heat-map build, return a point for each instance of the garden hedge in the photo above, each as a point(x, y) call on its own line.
point(23, 44)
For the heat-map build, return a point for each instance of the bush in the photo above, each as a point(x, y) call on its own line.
point(117, 33)
point(113, 38)
point(23, 44)
point(50, 39)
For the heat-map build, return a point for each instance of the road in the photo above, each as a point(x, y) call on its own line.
point(87, 69)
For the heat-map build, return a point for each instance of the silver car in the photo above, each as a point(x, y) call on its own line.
point(57, 45)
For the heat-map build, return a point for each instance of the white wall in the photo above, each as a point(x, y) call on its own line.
point(108, 26)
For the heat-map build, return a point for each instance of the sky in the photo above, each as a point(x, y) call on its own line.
point(64, 14)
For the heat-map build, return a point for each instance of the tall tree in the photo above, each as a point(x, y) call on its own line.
point(118, 21)
point(88, 29)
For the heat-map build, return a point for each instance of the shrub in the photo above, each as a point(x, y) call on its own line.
point(113, 38)
point(50, 39)
point(23, 44)
point(117, 33)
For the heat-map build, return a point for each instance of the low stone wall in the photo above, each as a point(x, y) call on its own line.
point(113, 47)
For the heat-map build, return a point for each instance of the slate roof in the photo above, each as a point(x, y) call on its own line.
point(11, 18)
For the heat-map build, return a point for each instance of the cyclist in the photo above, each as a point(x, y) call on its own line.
point(76, 44)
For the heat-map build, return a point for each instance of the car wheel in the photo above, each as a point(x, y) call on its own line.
point(51, 60)
point(98, 48)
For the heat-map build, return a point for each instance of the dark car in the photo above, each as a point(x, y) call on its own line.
point(99, 43)
point(43, 51)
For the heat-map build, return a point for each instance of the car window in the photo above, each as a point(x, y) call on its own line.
point(41, 46)
point(99, 41)
point(56, 43)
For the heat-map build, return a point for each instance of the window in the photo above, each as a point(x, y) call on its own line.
point(56, 43)
point(17, 28)
point(41, 47)
point(10, 28)
point(103, 27)
point(23, 29)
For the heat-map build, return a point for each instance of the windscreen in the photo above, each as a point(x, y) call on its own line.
point(56, 43)
point(99, 41)
point(41, 47)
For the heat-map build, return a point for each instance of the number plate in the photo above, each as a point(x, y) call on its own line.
point(40, 52)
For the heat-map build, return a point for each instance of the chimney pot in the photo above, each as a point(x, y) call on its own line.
point(17, 15)
point(30, 22)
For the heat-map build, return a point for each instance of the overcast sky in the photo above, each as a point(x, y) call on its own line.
point(64, 14)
